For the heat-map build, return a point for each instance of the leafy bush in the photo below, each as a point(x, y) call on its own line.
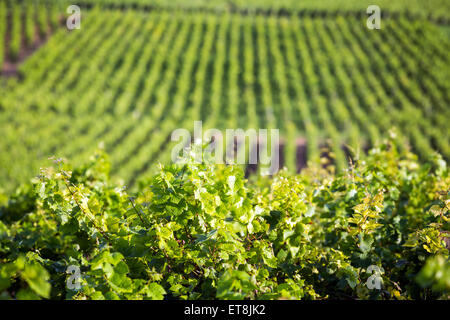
point(199, 231)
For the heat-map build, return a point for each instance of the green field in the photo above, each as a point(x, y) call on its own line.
point(424, 8)
point(128, 78)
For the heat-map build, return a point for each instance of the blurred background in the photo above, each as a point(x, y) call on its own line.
point(138, 69)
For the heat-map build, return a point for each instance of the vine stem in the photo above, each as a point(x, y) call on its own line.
point(84, 212)
point(138, 213)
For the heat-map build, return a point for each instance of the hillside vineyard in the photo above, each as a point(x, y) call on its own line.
point(225, 150)
point(127, 79)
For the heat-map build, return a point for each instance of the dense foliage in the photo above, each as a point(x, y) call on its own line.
point(203, 231)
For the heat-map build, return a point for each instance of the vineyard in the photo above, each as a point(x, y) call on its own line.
point(139, 69)
point(127, 79)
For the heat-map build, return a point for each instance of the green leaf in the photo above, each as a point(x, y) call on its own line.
point(155, 291)
point(37, 278)
point(121, 268)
